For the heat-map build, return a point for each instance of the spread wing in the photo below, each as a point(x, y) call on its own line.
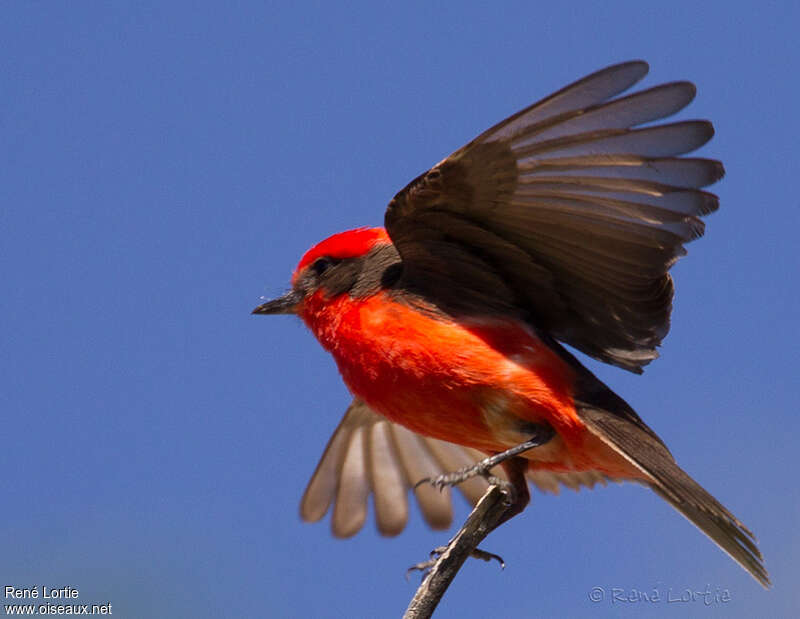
point(368, 454)
point(565, 214)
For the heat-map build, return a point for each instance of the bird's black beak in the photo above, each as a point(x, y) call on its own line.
point(287, 304)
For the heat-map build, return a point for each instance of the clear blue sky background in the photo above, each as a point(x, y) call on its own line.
point(165, 164)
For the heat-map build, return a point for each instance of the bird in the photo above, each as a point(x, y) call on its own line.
point(450, 324)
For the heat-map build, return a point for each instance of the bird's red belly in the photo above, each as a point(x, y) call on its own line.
point(475, 383)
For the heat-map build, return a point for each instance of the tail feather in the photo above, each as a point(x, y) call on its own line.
point(672, 483)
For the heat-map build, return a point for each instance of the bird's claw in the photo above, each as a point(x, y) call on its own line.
point(456, 477)
point(425, 566)
point(436, 553)
point(488, 556)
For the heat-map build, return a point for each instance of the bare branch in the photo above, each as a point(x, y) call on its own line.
point(483, 519)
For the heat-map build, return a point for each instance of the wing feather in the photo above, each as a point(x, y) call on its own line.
point(660, 141)
point(685, 172)
point(635, 109)
point(567, 214)
point(388, 481)
point(586, 92)
point(350, 509)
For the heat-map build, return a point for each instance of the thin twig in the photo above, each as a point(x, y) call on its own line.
point(479, 524)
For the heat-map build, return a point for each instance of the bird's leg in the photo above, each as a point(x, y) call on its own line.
point(517, 495)
point(543, 433)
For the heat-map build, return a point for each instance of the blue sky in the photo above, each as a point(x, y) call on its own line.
point(164, 165)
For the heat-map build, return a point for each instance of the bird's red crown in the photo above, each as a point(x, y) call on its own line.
point(349, 244)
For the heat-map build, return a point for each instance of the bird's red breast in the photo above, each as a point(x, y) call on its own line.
point(477, 382)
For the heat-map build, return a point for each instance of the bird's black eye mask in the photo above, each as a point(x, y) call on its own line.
point(359, 277)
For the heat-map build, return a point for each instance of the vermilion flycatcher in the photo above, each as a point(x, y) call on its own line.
point(558, 224)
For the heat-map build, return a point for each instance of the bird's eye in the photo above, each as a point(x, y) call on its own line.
point(321, 265)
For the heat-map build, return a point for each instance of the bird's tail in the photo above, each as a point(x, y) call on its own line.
point(672, 483)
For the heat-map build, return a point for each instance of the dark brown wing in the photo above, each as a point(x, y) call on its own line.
point(368, 454)
point(565, 215)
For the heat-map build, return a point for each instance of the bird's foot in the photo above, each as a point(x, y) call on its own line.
point(482, 467)
point(437, 553)
point(468, 472)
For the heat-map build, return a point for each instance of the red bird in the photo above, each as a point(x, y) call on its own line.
point(557, 225)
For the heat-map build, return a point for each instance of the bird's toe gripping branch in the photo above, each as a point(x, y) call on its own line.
point(483, 467)
point(437, 553)
point(516, 498)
